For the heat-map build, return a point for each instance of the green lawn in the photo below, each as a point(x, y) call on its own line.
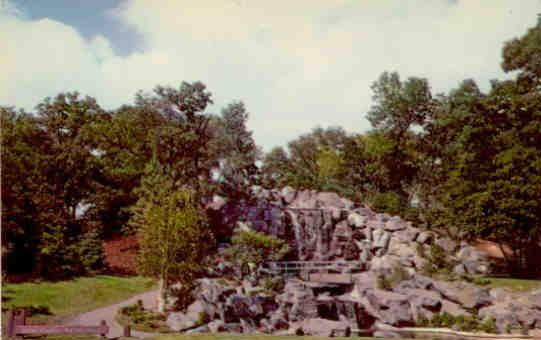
point(54, 300)
point(225, 336)
point(516, 285)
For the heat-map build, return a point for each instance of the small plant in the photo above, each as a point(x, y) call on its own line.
point(422, 321)
point(140, 319)
point(437, 262)
point(203, 318)
point(488, 326)
point(383, 283)
point(465, 323)
point(508, 328)
point(524, 329)
point(273, 285)
point(477, 280)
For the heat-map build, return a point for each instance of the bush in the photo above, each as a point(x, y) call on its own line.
point(398, 274)
point(273, 285)
point(388, 202)
point(203, 318)
point(140, 319)
point(488, 326)
point(252, 247)
point(464, 323)
point(436, 262)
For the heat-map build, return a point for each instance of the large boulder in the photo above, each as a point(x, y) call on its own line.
point(288, 194)
point(466, 295)
point(388, 307)
point(330, 199)
point(395, 224)
point(325, 328)
point(179, 321)
point(356, 220)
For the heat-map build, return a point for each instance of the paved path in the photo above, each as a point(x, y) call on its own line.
point(108, 313)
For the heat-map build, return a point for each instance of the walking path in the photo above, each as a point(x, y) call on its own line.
point(108, 313)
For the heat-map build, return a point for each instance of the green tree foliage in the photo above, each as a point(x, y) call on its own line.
point(173, 234)
point(236, 151)
point(252, 248)
point(49, 177)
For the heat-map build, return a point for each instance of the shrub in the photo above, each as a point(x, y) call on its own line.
point(465, 323)
point(255, 248)
point(436, 262)
point(488, 326)
point(273, 285)
point(203, 318)
point(388, 202)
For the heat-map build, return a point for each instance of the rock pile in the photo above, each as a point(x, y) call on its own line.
point(323, 226)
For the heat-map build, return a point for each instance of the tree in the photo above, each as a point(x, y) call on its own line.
point(49, 175)
point(173, 234)
point(250, 247)
point(236, 151)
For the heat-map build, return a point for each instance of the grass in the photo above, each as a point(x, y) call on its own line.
point(55, 300)
point(225, 336)
point(210, 337)
point(515, 285)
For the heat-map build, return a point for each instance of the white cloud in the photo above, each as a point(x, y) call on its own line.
point(296, 64)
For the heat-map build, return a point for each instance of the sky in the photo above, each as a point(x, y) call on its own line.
point(295, 64)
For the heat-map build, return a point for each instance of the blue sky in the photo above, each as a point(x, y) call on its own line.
point(295, 64)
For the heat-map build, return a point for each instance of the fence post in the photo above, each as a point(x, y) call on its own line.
point(104, 328)
point(127, 331)
point(10, 323)
point(23, 317)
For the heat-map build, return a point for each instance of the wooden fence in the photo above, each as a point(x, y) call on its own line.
point(16, 325)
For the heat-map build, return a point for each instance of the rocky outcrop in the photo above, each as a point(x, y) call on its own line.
point(325, 227)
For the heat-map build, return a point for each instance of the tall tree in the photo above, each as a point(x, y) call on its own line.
point(172, 231)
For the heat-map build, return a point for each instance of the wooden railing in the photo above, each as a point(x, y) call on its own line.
point(339, 272)
point(16, 325)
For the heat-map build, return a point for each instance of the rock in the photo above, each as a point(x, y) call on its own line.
point(329, 199)
point(395, 224)
point(277, 322)
point(446, 244)
point(179, 321)
point(477, 267)
point(381, 239)
point(216, 326)
point(503, 314)
point(423, 302)
point(459, 269)
point(214, 290)
point(453, 308)
point(305, 199)
point(288, 194)
point(247, 326)
point(406, 235)
point(388, 307)
point(375, 224)
point(425, 238)
point(200, 329)
point(467, 295)
point(298, 301)
point(387, 335)
point(237, 306)
point(233, 327)
point(357, 221)
point(324, 327)
point(218, 202)
point(384, 264)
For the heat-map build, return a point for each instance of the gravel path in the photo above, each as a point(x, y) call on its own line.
point(108, 313)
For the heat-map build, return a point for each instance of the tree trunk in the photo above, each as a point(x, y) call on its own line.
point(162, 295)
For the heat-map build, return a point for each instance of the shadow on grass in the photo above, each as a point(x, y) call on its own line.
point(31, 310)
